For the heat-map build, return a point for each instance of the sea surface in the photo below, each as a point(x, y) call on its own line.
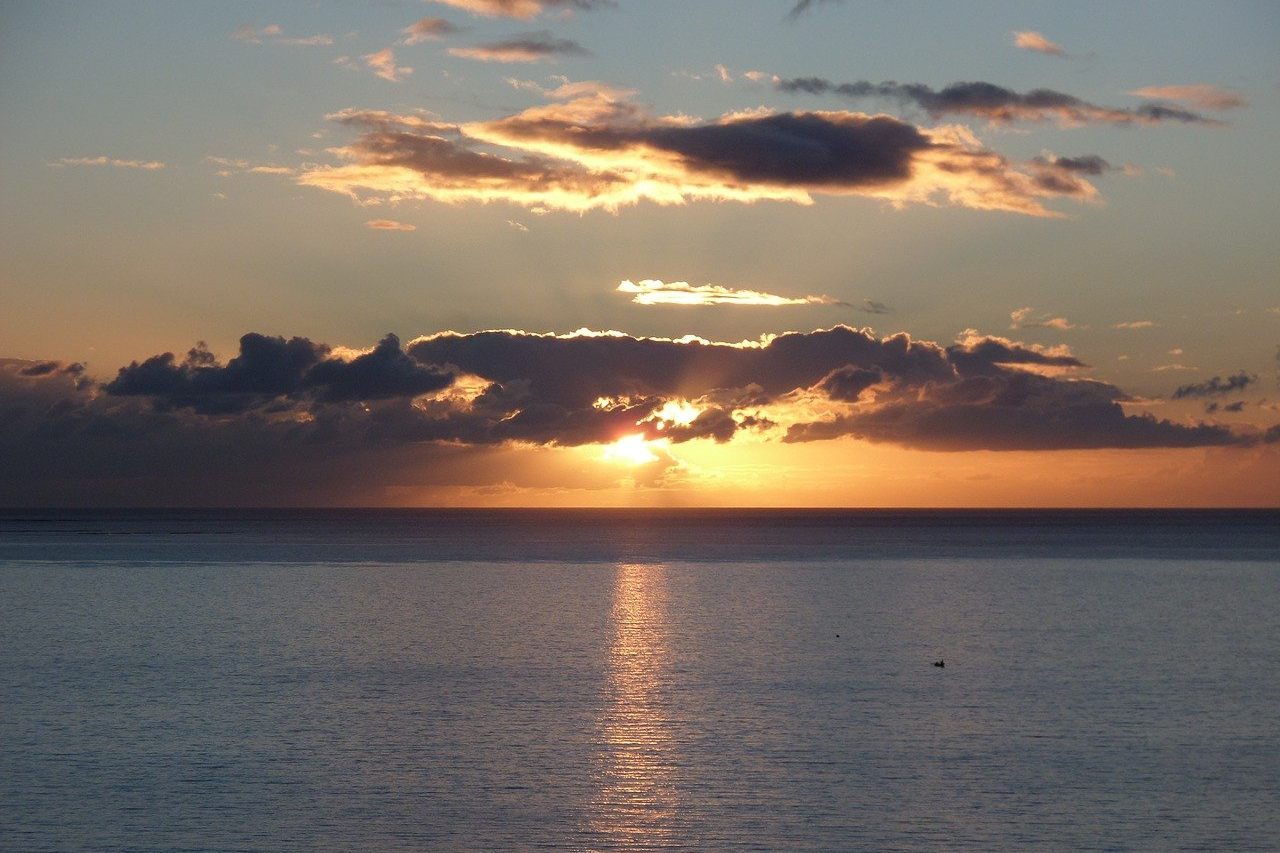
point(625, 680)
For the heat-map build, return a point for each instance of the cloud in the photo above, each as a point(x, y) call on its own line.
point(270, 369)
point(1216, 386)
point(1134, 324)
point(496, 387)
point(593, 148)
point(383, 64)
point(1201, 95)
point(427, 29)
point(996, 104)
point(274, 34)
point(1022, 319)
point(803, 6)
point(144, 165)
point(523, 9)
point(1031, 40)
point(298, 418)
point(870, 306)
point(532, 47)
point(653, 292)
point(389, 225)
point(38, 369)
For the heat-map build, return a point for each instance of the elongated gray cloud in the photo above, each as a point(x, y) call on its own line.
point(532, 47)
point(996, 103)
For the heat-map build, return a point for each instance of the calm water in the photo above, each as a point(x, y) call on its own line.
point(604, 681)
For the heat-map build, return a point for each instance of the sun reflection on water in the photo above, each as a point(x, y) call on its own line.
point(636, 803)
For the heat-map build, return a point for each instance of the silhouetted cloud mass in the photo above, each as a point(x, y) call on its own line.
point(269, 368)
point(292, 407)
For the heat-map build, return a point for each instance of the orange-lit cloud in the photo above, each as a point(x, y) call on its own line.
point(383, 64)
point(654, 292)
point(1022, 319)
point(1134, 324)
point(389, 225)
point(1201, 95)
point(1033, 41)
point(593, 148)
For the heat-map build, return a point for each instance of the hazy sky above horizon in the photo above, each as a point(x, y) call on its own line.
point(1091, 187)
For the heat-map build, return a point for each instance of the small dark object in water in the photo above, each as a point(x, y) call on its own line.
point(939, 663)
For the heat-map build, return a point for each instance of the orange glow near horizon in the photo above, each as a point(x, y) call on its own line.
point(633, 450)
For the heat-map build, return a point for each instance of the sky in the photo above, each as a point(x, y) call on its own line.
point(639, 253)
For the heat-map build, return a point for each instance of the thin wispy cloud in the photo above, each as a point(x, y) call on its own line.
point(523, 9)
point(389, 225)
point(117, 162)
point(1037, 43)
point(655, 292)
point(870, 306)
point(1134, 324)
point(803, 6)
point(1023, 318)
point(273, 34)
point(1201, 95)
point(995, 104)
point(533, 47)
point(427, 29)
point(593, 148)
point(383, 64)
point(228, 166)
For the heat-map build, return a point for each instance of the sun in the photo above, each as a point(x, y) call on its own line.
point(632, 450)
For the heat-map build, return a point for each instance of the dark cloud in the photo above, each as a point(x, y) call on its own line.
point(847, 383)
point(268, 368)
point(301, 418)
point(1215, 387)
point(870, 306)
point(785, 149)
point(50, 368)
point(995, 103)
point(1011, 410)
point(1089, 164)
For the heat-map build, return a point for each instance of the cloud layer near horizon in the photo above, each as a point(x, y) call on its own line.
point(317, 418)
point(593, 148)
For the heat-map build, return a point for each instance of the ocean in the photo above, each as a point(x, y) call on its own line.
point(639, 680)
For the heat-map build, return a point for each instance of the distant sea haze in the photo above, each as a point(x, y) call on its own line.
point(652, 680)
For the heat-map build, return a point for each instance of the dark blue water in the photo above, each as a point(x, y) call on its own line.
point(638, 681)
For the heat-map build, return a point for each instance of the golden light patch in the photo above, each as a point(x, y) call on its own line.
point(632, 450)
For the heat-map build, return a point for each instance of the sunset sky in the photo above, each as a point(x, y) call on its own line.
point(643, 252)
